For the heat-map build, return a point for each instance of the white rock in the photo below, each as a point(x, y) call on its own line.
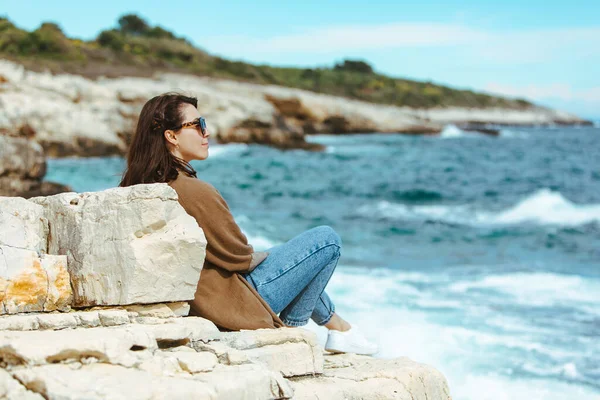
point(112, 345)
point(355, 377)
point(185, 349)
point(126, 245)
point(248, 381)
point(109, 382)
point(29, 282)
point(11, 389)
point(168, 334)
point(180, 309)
point(224, 353)
point(147, 320)
point(161, 364)
point(194, 362)
point(290, 359)
point(23, 224)
point(22, 322)
point(113, 317)
point(151, 310)
point(200, 328)
point(292, 352)
point(57, 321)
point(87, 319)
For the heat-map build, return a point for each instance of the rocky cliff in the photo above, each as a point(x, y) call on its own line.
point(72, 115)
point(23, 167)
point(93, 295)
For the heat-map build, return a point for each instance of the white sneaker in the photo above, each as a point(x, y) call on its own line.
point(351, 341)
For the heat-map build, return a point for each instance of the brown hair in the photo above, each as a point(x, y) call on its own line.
point(149, 159)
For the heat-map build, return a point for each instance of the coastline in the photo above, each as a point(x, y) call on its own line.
point(70, 115)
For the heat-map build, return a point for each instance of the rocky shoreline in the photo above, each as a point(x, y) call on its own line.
point(70, 115)
point(93, 305)
point(23, 167)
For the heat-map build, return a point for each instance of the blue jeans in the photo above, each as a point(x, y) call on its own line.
point(293, 277)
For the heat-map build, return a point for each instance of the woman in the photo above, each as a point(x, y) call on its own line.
point(239, 288)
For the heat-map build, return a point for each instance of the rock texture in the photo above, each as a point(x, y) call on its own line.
point(30, 279)
point(187, 357)
point(22, 168)
point(126, 245)
point(23, 224)
point(11, 389)
point(349, 377)
point(71, 115)
point(29, 282)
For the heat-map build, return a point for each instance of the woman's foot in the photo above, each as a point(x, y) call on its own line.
point(343, 338)
point(350, 341)
point(337, 323)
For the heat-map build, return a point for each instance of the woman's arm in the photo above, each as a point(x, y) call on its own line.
point(227, 246)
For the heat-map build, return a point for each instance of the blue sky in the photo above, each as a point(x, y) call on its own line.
point(546, 51)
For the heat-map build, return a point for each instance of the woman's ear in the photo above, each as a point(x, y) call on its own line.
point(171, 137)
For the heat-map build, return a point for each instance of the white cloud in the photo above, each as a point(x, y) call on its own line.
point(495, 46)
point(560, 91)
point(560, 95)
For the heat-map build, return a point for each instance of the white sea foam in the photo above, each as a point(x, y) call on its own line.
point(538, 288)
point(467, 356)
point(513, 134)
point(452, 131)
point(220, 150)
point(543, 207)
point(547, 207)
point(568, 370)
point(257, 239)
point(260, 243)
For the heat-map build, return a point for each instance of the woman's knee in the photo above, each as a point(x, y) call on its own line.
point(328, 235)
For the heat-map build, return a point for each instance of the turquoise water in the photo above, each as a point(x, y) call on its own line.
point(477, 255)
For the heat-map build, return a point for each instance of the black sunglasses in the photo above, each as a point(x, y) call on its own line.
point(199, 122)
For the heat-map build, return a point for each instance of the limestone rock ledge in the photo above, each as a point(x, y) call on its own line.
point(126, 245)
point(133, 245)
point(148, 352)
point(93, 294)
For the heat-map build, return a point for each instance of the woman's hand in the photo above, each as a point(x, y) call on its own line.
point(257, 258)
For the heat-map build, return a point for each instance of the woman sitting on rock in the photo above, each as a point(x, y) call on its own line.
point(239, 288)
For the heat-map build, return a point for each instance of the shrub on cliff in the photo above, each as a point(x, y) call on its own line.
point(135, 42)
point(112, 39)
point(354, 66)
point(48, 40)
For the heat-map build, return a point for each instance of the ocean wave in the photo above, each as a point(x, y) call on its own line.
point(452, 131)
point(543, 207)
point(220, 150)
point(473, 359)
point(509, 133)
point(417, 195)
point(567, 370)
point(537, 289)
point(547, 207)
point(257, 239)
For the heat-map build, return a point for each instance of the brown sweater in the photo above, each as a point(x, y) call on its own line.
point(222, 295)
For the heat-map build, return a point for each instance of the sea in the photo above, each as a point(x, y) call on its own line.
point(477, 255)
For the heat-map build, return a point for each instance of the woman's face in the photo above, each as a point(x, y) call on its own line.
point(188, 143)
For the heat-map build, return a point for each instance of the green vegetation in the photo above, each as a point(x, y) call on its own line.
point(135, 48)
